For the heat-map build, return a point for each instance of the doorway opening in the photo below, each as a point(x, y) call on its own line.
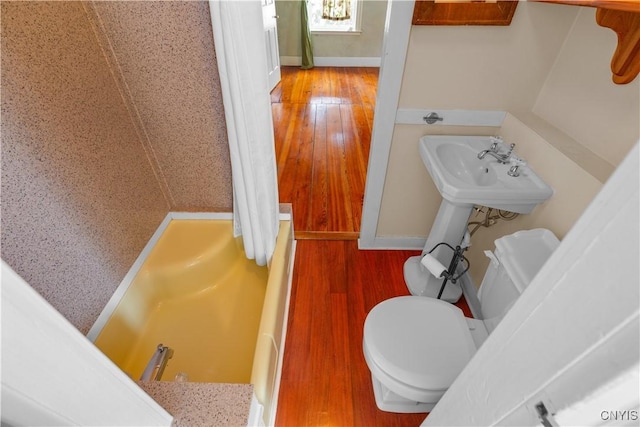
point(323, 119)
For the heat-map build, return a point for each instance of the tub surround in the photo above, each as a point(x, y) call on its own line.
point(177, 109)
point(79, 197)
point(202, 404)
point(104, 131)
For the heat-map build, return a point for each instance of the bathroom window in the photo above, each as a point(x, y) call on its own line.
point(317, 24)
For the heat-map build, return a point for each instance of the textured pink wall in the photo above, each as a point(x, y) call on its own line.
point(162, 53)
point(109, 120)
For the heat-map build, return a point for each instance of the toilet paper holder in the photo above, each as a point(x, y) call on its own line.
point(438, 270)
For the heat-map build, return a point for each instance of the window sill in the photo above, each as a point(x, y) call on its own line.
point(335, 33)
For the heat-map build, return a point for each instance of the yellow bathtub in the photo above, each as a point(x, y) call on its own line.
point(221, 314)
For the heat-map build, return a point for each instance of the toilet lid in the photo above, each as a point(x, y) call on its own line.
point(420, 341)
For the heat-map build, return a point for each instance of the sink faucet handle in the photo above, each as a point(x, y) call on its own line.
point(517, 161)
point(496, 142)
point(513, 171)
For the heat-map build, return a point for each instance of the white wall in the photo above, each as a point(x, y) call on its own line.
point(580, 98)
point(484, 67)
point(573, 187)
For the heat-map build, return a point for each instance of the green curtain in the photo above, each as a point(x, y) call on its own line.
point(307, 47)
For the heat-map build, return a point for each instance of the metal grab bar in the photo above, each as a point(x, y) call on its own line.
point(155, 367)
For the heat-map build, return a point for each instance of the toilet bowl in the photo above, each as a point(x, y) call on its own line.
point(416, 346)
point(400, 336)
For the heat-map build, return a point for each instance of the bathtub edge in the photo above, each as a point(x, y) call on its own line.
point(113, 302)
point(269, 352)
point(274, 407)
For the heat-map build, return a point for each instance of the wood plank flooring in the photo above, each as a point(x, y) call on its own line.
point(325, 379)
point(323, 119)
point(322, 122)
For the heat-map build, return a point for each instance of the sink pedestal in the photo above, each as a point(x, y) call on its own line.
point(449, 226)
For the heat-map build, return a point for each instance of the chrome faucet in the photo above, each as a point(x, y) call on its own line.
point(493, 151)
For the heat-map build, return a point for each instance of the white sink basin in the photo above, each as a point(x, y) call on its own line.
point(463, 179)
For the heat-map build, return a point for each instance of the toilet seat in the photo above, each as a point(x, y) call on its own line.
point(417, 343)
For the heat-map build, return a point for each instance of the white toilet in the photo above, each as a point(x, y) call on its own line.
point(416, 346)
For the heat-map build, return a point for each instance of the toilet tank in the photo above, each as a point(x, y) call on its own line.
point(515, 262)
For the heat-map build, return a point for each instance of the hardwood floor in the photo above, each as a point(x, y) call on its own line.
point(323, 119)
point(325, 380)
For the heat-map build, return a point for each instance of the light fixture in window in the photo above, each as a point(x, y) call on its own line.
point(343, 15)
point(336, 10)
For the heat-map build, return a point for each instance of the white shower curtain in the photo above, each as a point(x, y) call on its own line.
point(242, 63)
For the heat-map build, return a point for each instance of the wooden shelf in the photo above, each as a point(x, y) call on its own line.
point(428, 12)
point(625, 64)
point(625, 5)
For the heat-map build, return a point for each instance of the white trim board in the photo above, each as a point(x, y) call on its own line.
point(333, 61)
point(224, 216)
point(409, 116)
point(392, 243)
point(394, 54)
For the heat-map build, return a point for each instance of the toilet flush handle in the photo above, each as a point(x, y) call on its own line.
point(492, 257)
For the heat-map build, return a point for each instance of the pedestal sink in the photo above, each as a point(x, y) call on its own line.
point(464, 180)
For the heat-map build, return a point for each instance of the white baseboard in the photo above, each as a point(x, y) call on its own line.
point(225, 216)
point(329, 61)
point(393, 243)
